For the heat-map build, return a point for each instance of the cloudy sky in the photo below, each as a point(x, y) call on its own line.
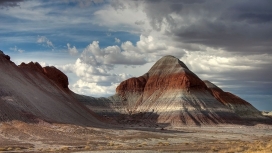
point(99, 43)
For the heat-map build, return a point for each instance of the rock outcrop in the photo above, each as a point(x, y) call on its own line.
point(32, 66)
point(57, 76)
point(4, 57)
point(51, 72)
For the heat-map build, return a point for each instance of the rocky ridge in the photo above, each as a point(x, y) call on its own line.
point(51, 72)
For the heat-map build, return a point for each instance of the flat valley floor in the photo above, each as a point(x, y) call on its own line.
point(17, 136)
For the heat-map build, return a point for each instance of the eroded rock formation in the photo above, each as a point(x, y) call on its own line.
point(51, 72)
point(176, 96)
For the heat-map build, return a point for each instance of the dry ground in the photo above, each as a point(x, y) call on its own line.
point(18, 136)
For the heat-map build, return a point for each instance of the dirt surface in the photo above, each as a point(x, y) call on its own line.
point(17, 136)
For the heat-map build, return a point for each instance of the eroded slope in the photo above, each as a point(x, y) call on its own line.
point(31, 93)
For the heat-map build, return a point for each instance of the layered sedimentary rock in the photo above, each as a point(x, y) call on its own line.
point(172, 94)
point(31, 93)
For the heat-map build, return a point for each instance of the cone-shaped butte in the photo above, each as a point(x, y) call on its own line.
point(174, 94)
point(168, 73)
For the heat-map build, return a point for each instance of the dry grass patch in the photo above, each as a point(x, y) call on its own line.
point(114, 145)
point(64, 148)
point(100, 148)
point(87, 148)
point(142, 144)
point(263, 146)
point(111, 143)
point(163, 144)
point(11, 148)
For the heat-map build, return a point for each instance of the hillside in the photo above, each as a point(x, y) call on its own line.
point(31, 93)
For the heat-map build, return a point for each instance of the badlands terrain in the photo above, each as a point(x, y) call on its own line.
point(17, 136)
point(167, 109)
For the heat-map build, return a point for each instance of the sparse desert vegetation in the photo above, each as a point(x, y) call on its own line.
point(45, 137)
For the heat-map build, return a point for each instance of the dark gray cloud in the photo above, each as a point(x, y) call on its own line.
point(253, 85)
point(231, 36)
point(9, 3)
point(236, 26)
point(157, 11)
point(252, 11)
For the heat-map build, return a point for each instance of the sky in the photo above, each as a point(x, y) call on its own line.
point(99, 43)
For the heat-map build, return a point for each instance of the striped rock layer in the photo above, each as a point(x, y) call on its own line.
point(170, 93)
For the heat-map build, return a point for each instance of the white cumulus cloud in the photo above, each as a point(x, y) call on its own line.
point(72, 50)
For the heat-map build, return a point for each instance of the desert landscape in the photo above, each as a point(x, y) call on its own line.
point(133, 76)
point(18, 136)
point(168, 109)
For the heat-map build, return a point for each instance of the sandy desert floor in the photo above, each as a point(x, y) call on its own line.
point(16, 136)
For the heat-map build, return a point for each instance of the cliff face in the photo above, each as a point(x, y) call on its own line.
point(132, 85)
point(176, 96)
